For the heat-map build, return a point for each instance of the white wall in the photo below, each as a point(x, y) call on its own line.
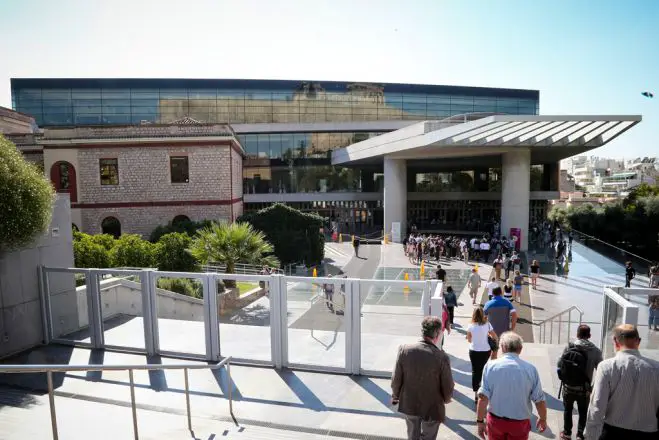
point(124, 297)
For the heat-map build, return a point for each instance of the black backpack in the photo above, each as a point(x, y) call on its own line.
point(572, 367)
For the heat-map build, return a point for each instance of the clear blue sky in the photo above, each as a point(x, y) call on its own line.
point(585, 56)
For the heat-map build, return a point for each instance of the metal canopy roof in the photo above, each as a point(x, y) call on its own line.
point(550, 138)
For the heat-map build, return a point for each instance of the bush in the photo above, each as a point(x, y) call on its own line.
point(105, 240)
point(130, 250)
point(184, 286)
point(295, 235)
point(88, 253)
point(26, 199)
point(171, 253)
point(186, 227)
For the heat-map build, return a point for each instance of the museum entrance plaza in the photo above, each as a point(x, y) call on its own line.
point(298, 368)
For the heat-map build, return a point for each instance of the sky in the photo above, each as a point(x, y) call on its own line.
point(585, 56)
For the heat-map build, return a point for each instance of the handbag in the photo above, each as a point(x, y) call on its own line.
point(494, 345)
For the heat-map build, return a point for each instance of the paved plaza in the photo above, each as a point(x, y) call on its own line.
point(294, 403)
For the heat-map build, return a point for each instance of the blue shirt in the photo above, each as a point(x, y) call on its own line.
point(511, 384)
point(498, 311)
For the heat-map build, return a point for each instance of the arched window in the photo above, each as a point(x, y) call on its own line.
point(112, 226)
point(180, 219)
point(63, 176)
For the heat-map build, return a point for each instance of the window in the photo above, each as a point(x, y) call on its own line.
point(112, 226)
point(63, 176)
point(109, 171)
point(178, 167)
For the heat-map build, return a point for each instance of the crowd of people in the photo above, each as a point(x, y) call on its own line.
point(616, 398)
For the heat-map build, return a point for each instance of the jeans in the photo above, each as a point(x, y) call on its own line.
point(654, 317)
point(478, 360)
point(614, 433)
point(418, 429)
point(569, 400)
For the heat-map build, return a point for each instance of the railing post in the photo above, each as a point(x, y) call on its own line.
point(569, 323)
point(211, 320)
point(353, 316)
point(187, 397)
point(560, 324)
point(551, 332)
point(283, 320)
point(274, 294)
point(51, 400)
point(230, 388)
point(94, 308)
point(150, 327)
point(46, 318)
point(132, 403)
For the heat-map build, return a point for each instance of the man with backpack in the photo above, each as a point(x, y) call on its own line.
point(575, 370)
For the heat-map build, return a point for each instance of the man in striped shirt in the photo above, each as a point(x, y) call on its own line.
point(625, 398)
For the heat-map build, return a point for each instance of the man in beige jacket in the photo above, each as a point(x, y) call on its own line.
point(422, 382)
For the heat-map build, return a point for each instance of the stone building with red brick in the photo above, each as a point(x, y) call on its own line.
point(131, 179)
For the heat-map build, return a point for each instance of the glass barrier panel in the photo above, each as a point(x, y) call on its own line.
point(121, 299)
point(68, 305)
point(243, 308)
point(316, 322)
point(180, 314)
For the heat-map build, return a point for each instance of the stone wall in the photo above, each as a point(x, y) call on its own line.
point(143, 220)
point(20, 306)
point(144, 174)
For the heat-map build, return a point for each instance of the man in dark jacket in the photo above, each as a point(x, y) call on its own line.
point(422, 382)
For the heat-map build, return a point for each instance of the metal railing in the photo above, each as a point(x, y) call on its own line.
point(50, 369)
point(240, 269)
point(558, 318)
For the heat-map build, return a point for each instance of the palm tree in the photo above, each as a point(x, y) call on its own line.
point(230, 244)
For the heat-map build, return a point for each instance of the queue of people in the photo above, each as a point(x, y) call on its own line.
point(433, 247)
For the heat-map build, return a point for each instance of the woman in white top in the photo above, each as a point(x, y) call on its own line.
point(479, 350)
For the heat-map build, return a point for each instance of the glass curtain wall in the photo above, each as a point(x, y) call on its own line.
point(259, 102)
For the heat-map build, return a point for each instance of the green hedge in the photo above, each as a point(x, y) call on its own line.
point(184, 286)
point(26, 199)
point(172, 254)
point(295, 235)
point(130, 250)
point(186, 227)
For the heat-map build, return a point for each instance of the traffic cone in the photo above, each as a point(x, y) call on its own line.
point(315, 273)
point(476, 267)
point(422, 270)
point(406, 288)
point(340, 238)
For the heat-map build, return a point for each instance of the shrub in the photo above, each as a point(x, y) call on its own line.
point(130, 250)
point(171, 253)
point(88, 253)
point(26, 199)
point(105, 240)
point(184, 286)
point(186, 227)
point(295, 235)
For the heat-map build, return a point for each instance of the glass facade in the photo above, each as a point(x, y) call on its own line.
point(131, 101)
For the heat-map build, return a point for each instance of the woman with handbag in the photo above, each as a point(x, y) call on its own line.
point(483, 343)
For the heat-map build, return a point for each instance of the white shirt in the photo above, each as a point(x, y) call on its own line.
point(490, 287)
point(479, 336)
point(485, 246)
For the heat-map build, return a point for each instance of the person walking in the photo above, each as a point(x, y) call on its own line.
point(328, 289)
point(518, 281)
point(355, 245)
point(508, 290)
point(535, 273)
point(575, 370)
point(625, 400)
point(498, 265)
point(630, 273)
point(479, 334)
point(490, 287)
point(501, 313)
point(474, 283)
point(507, 265)
point(451, 302)
point(508, 387)
point(422, 382)
point(517, 262)
point(653, 312)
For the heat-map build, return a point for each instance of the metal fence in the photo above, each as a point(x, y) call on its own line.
point(322, 324)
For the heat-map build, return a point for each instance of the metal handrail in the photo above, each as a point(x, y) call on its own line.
point(552, 319)
point(50, 369)
point(613, 246)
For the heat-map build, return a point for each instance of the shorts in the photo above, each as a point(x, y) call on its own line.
point(534, 276)
point(473, 292)
point(517, 288)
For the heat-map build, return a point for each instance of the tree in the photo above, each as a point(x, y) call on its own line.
point(26, 199)
point(172, 253)
point(187, 227)
point(295, 235)
point(230, 244)
point(130, 250)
